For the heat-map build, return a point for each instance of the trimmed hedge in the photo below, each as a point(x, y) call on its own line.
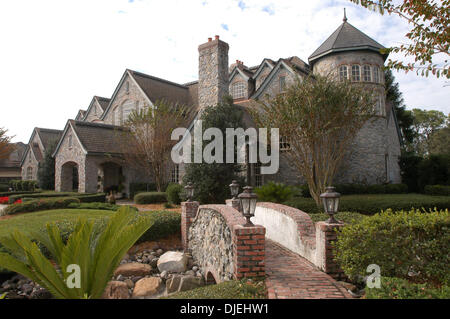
point(4, 188)
point(136, 188)
point(7, 194)
point(372, 204)
point(95, 205)
point(39, 204)
point(150, 198)
point(397, 288)
point(101, 198)
point(274, 192)
point(164, 225)
point(400, 243)
point(23, 185)
point(437, 190)
point(173, 192)
point(355, 189)
point(346, 217)
point(83, 197)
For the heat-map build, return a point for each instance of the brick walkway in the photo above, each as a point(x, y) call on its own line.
point(290, 276)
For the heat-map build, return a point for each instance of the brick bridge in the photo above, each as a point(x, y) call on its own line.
point(284, 245)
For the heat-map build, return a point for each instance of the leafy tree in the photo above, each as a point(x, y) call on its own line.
point(6, 147)
point(211, 180)
point(440, 141)
point(404, 117)
point(146, 141)
point(96, 255)
point(429, 34)
point(320, 118)
point(46, 169)
point(425, 124)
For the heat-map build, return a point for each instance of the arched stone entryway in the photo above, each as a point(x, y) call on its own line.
point(110, 177)
point(70, 177)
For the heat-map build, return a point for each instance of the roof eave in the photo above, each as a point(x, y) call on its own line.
point(312, 59)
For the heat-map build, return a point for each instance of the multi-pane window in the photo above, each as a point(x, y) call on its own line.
point(376, 74)
point(238, 90)
point(259, 178)
point(284, 144)
point(282, 83)
point(175, 178)
point(343, 72)
point(367, 77)
point(356, 76)
point(29, 173)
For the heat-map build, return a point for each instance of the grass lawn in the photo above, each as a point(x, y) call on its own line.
point(227, 290)
point(373, 203)
point(32, 222)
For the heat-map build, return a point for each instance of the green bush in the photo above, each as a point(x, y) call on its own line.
point(274, 192)
point(434, 170)
point(164, 225)
point(400, 243)
point(23, 185)
point(355, 189)
point(397, 288)
point(136, 188)
point(39, 204)
point(101, 197)
point(8, 194)
point(4, 187)
point(150, 198)
point(437, 190)
point(396, 188)
point(94, 205)
point(173, 192)
point(372, 204)
point(83, 197)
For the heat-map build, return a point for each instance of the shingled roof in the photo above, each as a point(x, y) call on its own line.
point(48, 136)
point(346, 37)
point(15, 157)
point(98, 138)
point(103, 101)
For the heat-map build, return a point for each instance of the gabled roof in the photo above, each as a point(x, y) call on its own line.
point(269, 62)
point(346, 38)
point(80, 114)
point(48, 136)
point(15, 157)
point(102, 101)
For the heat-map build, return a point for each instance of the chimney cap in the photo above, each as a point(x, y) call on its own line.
point(209, 39)
point(216, 37)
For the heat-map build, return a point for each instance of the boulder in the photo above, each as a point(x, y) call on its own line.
point(116, 290)
point(190, 282)
point(172, 284)
point(148, 287)
point(133, 269)
point(172, 261)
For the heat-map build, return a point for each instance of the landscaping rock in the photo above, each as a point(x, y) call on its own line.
point(172, 284)
point(41, 293)
point(129, 283)
point(154, 262)
point(163, 275)
point(159, 252)
point(148, 287)
point(172, 261)
point(133, 269)
point(116, 290)
point(190, 282)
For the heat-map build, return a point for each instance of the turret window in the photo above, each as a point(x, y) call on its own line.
point(376, 74)
point(238, 90)
point(367, 76)
point(343, 73)
point(356, 75)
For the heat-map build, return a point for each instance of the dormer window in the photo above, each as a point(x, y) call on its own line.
point(238, 90)
point(356, 75)
point(367, 76)
point(343, 73)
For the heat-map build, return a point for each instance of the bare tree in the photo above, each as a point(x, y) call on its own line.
point(148, 143)
point(318, 117)
point(6, 147)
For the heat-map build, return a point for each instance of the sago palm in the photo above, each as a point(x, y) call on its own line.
point(96, 253)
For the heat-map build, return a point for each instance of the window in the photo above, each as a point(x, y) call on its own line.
point(127, 87)
point(127, 108)
point(356, 76)
point(238, 90)
point(175, 174)
point(376, 74)
point(284, 144)
point(282, 83)
point(367, 76)
point(343, 73)
point(259, 180)
point(29, 173)
point(70, 140)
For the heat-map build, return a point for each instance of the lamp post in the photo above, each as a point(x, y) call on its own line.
point(234, 188)
point(248, 204)
point(189, 191)
point(330, 200)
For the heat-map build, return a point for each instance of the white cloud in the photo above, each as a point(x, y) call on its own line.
point(57, 54)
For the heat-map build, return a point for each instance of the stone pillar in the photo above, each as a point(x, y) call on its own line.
point(235, 203)
point(188, 213)
point(249, 251)
point(213, 72)
point(325, 235)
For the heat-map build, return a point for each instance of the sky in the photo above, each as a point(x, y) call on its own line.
point(56, 55)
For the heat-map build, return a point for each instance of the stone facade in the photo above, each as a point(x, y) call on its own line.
point(213, 72)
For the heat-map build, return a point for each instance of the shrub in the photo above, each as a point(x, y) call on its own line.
point(39, 204)
point(396, 188)
point(434, 170)
point(353, 189)
point(437, 190)
point(101, 197)
point(83, 197)
point(4, 187)
point(164, 225)
point(400, 243)
point(22, 185)
point(5, 194)
point(95, 205)
point(174, 193)
point(397, 288)
point(305, 190)
point(150, 198)
point(274, 192)
point(136, 188)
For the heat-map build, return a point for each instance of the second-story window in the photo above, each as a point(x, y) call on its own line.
point(282, 83)
point(284, 144)
point(238, 90)
point(343, 73)
point(356, 75)
point(366, 73)
point(376, 74)
point(70, 141)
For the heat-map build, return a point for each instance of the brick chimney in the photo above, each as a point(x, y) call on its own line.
point(212, 72)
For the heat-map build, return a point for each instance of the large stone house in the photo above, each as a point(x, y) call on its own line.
point(88, 150)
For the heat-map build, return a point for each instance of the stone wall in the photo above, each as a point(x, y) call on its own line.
point(394, 150)
point(94, 113)
point(213, 72)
